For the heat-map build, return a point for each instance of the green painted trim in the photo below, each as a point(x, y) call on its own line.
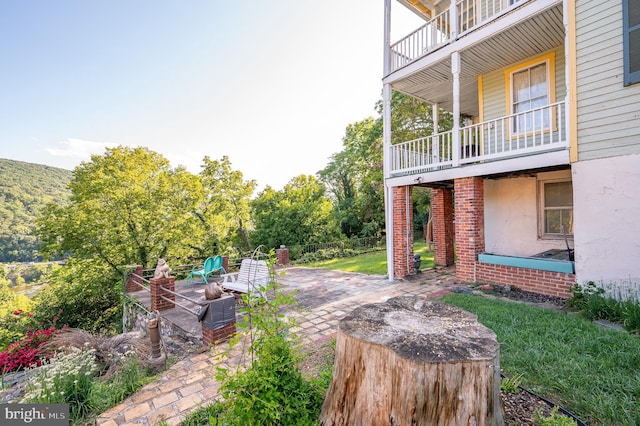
point(552, 265)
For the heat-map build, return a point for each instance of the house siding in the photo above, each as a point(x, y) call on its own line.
point(493, 87)
point(608, 113)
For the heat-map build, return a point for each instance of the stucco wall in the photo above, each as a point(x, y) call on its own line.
point(606, 219)
point(511, 216)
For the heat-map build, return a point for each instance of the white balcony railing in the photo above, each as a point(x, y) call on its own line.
point(528, 133)
point(423, 154)
point(431, 35)
point(440, 31)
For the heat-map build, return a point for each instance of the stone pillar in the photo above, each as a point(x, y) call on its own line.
point(158, 303)
point(402, 231)
point(282, 254)
point(131, 286)
point(469, 198)
point(219, 320)
point(442, 221)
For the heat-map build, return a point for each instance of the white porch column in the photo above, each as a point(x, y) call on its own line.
point(387, 38)
point(435, 147)
point(455, 137)
point(453, 20)
point(386, 165)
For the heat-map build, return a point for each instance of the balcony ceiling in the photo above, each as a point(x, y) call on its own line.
point(434, 82)
point(423, 8)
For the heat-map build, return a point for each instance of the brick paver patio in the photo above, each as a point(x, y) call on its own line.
point(327, 296)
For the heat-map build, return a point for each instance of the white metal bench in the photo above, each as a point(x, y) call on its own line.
point(253, 275)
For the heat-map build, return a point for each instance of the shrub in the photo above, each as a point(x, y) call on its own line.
point(26, 352)
point(591, 302)
point(83, 295)
point(72, 376)
point(204, 415)
point(66, 379)
point(271, 389)
point(15, 322)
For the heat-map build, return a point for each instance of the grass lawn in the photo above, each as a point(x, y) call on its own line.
point(591, 371)
point(373, 262)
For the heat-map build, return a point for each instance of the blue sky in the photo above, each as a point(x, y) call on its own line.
point(271, 84)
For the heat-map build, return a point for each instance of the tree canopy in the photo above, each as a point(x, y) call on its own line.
point(225, 209)
point(127, 207)
point(299, 214)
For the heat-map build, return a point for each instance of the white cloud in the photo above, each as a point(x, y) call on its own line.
point(78, 149)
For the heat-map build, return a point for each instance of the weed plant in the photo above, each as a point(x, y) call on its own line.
point(512, 384)
point(591, 302)
point(553, 419)
point(270, 390)
point(591, 371)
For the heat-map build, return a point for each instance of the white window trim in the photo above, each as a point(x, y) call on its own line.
point(550, 61)
point(541, 234)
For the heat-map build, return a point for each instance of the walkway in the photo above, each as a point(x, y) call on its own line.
point(327, 296)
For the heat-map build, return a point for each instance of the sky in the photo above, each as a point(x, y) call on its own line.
point(272, 84)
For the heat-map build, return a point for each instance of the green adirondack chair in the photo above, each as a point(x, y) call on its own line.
point(210, 267)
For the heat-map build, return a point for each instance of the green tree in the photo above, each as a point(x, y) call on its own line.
point(127, 207)
point(83, 294)
point(15, 315)
point(225, 209)
point(299, 214)
point(354, 176)
point(412, 118)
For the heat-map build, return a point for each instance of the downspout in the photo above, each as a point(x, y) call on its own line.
point(569, 21)
point(386, 136)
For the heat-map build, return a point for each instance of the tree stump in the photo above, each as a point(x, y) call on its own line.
point(409, 361)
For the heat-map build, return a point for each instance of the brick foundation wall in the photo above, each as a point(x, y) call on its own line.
point(402, 232)
point(443, 232)
point(534, 280)
point(157, 303)
point(469, 200)
point(131, 286)
point(213, 337)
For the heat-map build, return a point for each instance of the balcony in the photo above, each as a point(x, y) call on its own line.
point(485, 146)
point(469, 15)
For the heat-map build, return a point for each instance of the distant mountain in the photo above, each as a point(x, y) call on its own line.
point(24, 189)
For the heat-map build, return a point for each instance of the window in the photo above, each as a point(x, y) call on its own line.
point(631, 42)
point(530, 89)
point(530, 86)
point(556, 216)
